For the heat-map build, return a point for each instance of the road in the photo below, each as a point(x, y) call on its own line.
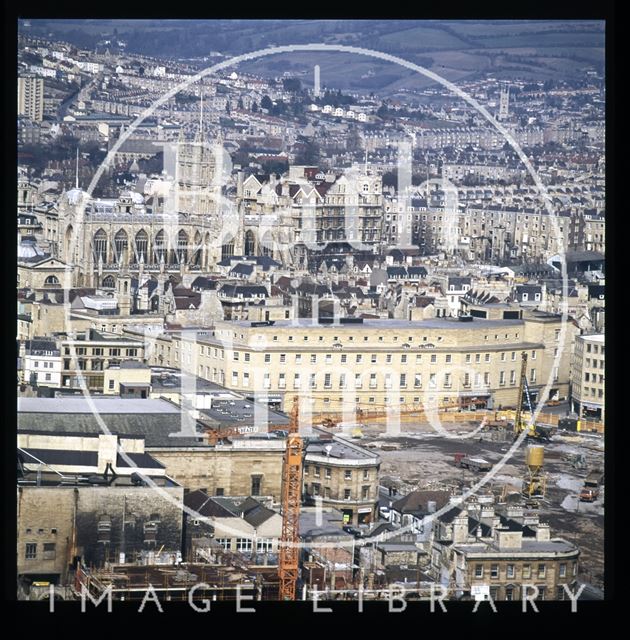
point(81, 94)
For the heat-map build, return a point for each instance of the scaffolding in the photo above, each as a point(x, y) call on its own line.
point(130, 582)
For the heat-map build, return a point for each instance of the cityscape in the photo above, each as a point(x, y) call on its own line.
point(310, 310)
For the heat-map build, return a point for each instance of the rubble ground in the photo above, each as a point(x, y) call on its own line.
point(421, 458)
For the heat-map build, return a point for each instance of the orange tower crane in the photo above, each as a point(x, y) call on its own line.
point(289, 553)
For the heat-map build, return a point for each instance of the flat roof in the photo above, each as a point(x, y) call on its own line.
point(52, 479)
point(235, 410)
point(80, 404)
point(172, 381)
point(340, 449)
point(133, 364)
point(555, 545)
point(594, 337)
point(432, 323)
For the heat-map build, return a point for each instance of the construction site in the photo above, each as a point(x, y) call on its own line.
point(222, 576)
point(557, 471)
point(421, 459)
point(527, 472)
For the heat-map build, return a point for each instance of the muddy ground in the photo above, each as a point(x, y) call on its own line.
point(420, 458)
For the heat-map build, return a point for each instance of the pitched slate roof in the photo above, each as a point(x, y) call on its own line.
point(246, 290)
point(206, 505)
point(155, 425)
point(201, 282)
point(242, 269)
point(396, 272)
point(255, 513)
point(417, 501)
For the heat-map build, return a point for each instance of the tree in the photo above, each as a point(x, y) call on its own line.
point(266, 103)
point(354, 142)
point(275, 166)
point(309, 154)
point(382, 111)
point(241, 157)
point(292, 84)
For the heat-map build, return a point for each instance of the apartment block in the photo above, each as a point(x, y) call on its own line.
point(588, 375)
point(31, 98)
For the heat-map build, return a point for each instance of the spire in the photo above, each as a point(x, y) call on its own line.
point(76, 174)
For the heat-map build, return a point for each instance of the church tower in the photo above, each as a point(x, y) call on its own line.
point(195, 172)
point(123, 286)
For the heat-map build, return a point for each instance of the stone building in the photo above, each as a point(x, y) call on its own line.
point(243, 467)
point(182, 223)
point(588, 375)
point(91, 352)
point(240, 468)
point(58, 524)
point(80, 498)
point(479, 547)
point(39, 270)
point(343, 476)
point(378, 362)
point(307, 210)
point(239, 524)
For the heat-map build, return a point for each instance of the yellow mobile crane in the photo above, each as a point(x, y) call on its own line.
point(520, 423)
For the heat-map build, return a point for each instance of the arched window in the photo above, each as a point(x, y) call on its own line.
point(250, 243)
point(109, 282)
point(142, 245)
point(266, 245)
point(182, 246)
point(99, 245)
point(121, 243)
point(69, 232)
point(159, 246)
point(227, 250)
point(196, 259)
point(51, 281)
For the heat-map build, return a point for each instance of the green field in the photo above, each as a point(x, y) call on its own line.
point(420, 38)
point(500, 28)
point(455, 49)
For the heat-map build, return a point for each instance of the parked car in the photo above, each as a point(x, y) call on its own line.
point(352, 531)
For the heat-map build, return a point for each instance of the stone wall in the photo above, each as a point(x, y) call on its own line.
point(225, 468)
